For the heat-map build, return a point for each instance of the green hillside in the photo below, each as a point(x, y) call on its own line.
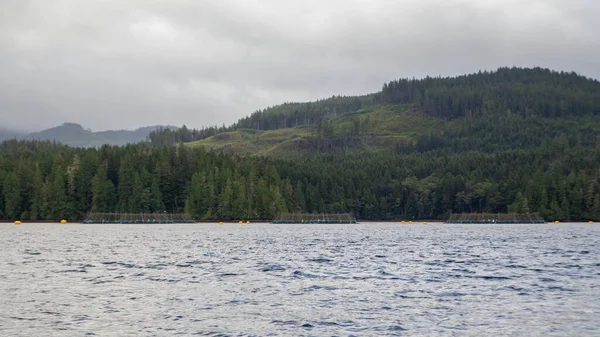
point(374, 127)
point(489, 111)
point(405, 129)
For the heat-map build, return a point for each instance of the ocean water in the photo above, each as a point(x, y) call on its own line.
point(368, 279)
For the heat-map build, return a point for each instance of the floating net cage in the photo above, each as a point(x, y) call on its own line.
point(495, 218)
point(132, 218)
point(314, 218)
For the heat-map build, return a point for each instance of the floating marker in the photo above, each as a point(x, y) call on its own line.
point(425, 223)
point(248, 222)
point(590, 222)
point(403, 222)
point(220, 222)
point(17, 222)
point(556, 222)
point(241, 222)
point(63, 221)
point(410, 222)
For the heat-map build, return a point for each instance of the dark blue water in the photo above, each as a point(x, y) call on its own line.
point(300, 280)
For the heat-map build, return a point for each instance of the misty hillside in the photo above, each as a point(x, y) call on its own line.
point(9, 134)
point(75, 135)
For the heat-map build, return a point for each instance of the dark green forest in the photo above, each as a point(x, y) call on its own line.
point(512, 140)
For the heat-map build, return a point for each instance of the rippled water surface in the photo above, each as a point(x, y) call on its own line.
point(300, 280)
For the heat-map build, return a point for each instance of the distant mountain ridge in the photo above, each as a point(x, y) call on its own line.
point(75, 135)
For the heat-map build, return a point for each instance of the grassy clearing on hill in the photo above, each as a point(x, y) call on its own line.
point(377, 127)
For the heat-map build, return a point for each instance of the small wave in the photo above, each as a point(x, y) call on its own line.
point(122, 264)
point(385, 273)
point(515, 266)
point(80, 318)
point(193, 262)
point(493, 278)
point(340, 324)
point(23, 318)
point(277, 322)
point(318, 287)
point(301, 274)
point(433, 263)
point(561, 289)
point(162, 279)
point(451, 294)
point(514, 288)
point(273, 267)
point(183, 265)
point(434, 280)
point(53, 313)
point(394, 328)
point(72, 271)
point(102, 281)
point(156, 266)
point(210, 333)
point(404, 294)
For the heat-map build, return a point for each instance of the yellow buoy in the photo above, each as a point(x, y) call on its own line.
point(248, 222)
point(17, 222)
point(240, 222)
point(590, 222)
point(410, 222)
point(403, 222)
point(220, 222)
point(425, 223)
point(556, 222)
point(63, 221)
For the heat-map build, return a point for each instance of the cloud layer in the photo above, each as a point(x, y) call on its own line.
point(123, 64)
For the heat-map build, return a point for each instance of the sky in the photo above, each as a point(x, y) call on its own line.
point(114, 64)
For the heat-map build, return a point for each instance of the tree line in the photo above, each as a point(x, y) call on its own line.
point(526, 91)
point(48, 181)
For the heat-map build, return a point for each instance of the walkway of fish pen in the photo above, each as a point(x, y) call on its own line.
point(495, 218)
point(325, 218)
point(134, 218)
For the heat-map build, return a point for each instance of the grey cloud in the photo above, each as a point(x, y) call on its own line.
point(116, 64)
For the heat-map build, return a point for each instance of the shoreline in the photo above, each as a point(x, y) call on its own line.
point(236, 222)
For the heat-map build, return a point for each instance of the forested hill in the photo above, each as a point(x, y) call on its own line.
point(527, 92)
point(513, 140)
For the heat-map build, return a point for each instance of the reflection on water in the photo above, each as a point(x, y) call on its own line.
point(312, 280)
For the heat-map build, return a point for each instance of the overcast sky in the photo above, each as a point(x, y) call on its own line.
point(113, 64)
